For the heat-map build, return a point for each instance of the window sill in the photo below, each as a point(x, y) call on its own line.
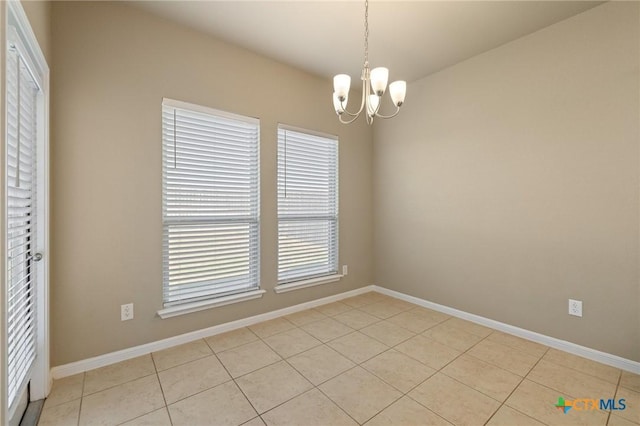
point(283, 288)
point(188, 308)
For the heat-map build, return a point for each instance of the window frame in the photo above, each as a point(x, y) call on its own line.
point(204, 294)
point(332, 275)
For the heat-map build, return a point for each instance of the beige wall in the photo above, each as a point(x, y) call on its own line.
point(112, 65)
point(509, 183)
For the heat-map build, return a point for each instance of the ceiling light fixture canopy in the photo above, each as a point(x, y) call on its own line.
point(374, 84)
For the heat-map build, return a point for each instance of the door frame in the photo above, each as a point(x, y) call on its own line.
point(40, 383)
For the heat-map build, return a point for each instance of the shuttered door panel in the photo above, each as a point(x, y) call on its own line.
point(210, 204)
point(307, 205)
point(22, 95)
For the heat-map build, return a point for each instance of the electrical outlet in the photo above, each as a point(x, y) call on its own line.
point(126, 312)
point(575, 307)
point(345, 270)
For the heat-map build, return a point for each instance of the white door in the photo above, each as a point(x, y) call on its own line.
point(25, 132)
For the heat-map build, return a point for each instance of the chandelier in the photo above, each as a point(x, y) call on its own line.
point(374, 84)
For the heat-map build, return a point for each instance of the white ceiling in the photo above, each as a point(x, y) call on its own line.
point(411, 38)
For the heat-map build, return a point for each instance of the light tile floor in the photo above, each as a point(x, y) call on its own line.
point(370, 359)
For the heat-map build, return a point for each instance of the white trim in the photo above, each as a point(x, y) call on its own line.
point(41, 380)
point(296, 285)
point(188, 308)
point(136, 351)
point(15, 8)
point(125, 354)
point(15, 41)
point(207, 110)
point(563, 345)
point(307, 131)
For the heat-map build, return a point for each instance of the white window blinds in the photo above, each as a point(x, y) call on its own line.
point(22, 119)
point(210, 197)
point(307, 205)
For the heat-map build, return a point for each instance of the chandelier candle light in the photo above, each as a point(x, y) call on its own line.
point(374, 84)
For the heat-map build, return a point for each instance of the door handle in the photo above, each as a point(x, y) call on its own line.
point(37, 257)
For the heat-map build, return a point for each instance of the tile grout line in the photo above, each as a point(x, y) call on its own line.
point(161, 391)
point(196, 393)
point(498, 332)
point(389, 348)
point(546, 387)
point(356, 364)
point(515, 388)
point(584, 372)
point(403, 394)
point(466, 352)
point(166, 406)
point(615, 394)
point(330, 378)
point(440, 371)
point(84, 377)
point(314, 386)
point(456, 358)
point(243, 392)
point(281, 359)
point(199, 392)
point(119, 384)
point(554, 389)
point(334, 402)
point(232, 379)
point(122, 383)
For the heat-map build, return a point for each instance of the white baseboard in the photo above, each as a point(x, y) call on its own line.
point(136, 351)
point(563, 345)
point(125, 354)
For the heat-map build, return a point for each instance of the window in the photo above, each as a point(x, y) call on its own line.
point(210, 203)
point(307, 205)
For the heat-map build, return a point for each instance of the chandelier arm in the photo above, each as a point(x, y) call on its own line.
point(366, 91)
point(370, 113)
point(362, 104)
point(389, 116)
point(350, 114)
point(348, 121)
point(370, 117)
point(344, 110)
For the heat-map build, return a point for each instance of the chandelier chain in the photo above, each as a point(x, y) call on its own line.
point(366, 32)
